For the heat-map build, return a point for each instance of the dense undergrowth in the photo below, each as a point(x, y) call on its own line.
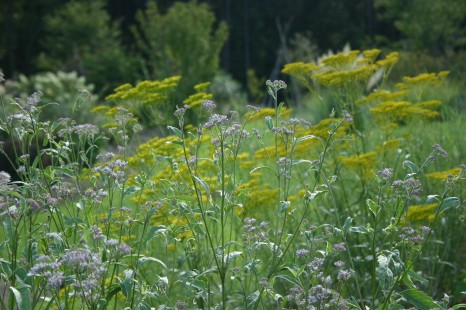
point(255, 209)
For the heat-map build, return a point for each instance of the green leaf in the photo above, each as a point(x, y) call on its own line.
point(126, 284)
point(268, 122)
point(353, 304)
point(131, 190)
point(280, 107)
point(411, 166)
point(459, 306)
point(177, 132)
point(144, 259)
point(384, 274)
point(252, 299)
point(373, 206)
point(284, 206)
point(22, 297)
point(112, 291)
point(304, 138)
point(229, 257)
point(178, 142)
point(346, 226)
point(416, 276)
point(359, 229)
point(450, 202)
point(419, 299)
point(258, 168)
point(204, 184)
point(288, 279)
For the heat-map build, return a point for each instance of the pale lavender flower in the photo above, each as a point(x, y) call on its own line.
point(209, 105)
point(111, 242)
point(124, 249)
point(438, 150)
point(179, 112)
point(386, 173)
point(316, 264)
point(344, 275)
point(96, 233)
point(4, 178)
point(339, 247)
point(301, 252)
point(181, 305)
point(347, 118)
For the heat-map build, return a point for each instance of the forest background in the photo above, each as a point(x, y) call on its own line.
point(121, 41)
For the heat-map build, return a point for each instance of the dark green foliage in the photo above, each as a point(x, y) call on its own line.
point(183, 41)
point(81, 37)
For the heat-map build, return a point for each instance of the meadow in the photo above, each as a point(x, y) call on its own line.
point(355, 200)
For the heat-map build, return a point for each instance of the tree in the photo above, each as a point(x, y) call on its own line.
point(81, 37)
point(429, 25)
point(183, 41)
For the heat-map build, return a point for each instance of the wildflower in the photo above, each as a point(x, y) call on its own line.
point(33, 100)
point(85, 94)
point(385, 174)
point(319, 294)
point(438, 150)
point(347, 118)
point(339, 264)
point(276, 85)
point(296, 295)
point(124, 249)
point(344, 275)
point(111, 242)
point(253, 109)
point(179, 113)
point(316, 264)
point(301, 252)
point(181, 305)
point(209, 105)
point(86, 130)
point(96, 233)
point(4, 178)
point(215, 120)
point(137, 128)
point(339, 247)
point(305, 123)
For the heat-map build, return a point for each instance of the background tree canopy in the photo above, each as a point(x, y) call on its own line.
point(118, 41)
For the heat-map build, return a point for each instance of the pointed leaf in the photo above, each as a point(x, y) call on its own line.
point(411, 166)
point(346, 226)
point(269, 123)
point(419, 299)
point(373, 207)
point(450, 202)
point(177, 132)
point(204, 184)
point(22, 297)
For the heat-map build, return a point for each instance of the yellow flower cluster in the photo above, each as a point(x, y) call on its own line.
point(402, 111)
point(340, 69)
point(389, 61)
point(362, 163)
point(284, 113)
point(419, 213)
point(146, 92)
point(426, 78)
point(320, 130)
point(200, 96)
point(156, 146)
point(443, 175)
point(382, 96)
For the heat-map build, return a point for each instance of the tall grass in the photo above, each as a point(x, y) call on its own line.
point(254, 209)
